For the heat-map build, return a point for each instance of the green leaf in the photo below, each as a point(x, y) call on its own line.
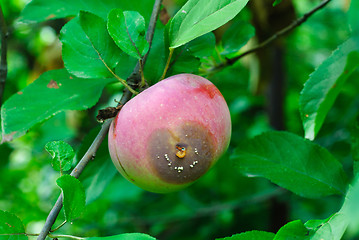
point(351, 207)
point(324, 85)
point(10, 224)
point(202, 46)
point(126, 65)
point(293, 163)
point(128, 30)
point(73, 196)
point(313, 225)
point(87, 49)
point(185, 63)
point(354, 132)
point(100, 173)
point(236, 36)
point(250, 235)
point(62, 155)
point(198, 17)
point(353, 16)
point(53, 92)
point(332, 228)
point(99, 181)
point(276, 2)
point(294, 230)
point(335, 226)
point(41, 10)
point(125, 236)
point(156, 59)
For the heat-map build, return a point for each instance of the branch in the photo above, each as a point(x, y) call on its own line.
point(277, 35)
point(152, 26)
point(149, 37)
point(90, 154)
point(3, 58)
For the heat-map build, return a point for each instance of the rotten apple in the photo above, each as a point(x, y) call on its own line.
point(170, 134)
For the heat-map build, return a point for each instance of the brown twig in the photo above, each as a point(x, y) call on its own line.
point(3, 57)
point(296, 23)
point(90, 154)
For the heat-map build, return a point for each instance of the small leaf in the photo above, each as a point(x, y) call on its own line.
point(294, 230)
point(185, 63)
point(156, 59)
point(236, 36)
point(202, 46)
point(73, 196)
point(351, 207)
point(313, 225)
point(186, 59)
point(250, 235)
point(276, 2)
point(332, 228)
point(88, 50)
point(198, 17)
point(125, 236)
point(62, 155)
point(324, 85)
point(51, 93)
point(11, 224)
point(128, 30)
point(293, 163)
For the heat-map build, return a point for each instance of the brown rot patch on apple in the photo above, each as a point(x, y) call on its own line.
point(182, 155)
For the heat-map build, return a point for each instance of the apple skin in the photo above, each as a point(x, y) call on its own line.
point(170, 134)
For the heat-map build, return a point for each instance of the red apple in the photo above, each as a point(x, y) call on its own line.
point(170, 134)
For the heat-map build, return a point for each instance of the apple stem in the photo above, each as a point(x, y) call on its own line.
point(167, 63)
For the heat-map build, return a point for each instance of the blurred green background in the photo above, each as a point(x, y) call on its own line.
point(221, 203)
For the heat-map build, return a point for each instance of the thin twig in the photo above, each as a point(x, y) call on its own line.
point(15, 234)
point(3, 58)
point(113, 74)
point(119, 79)
point(151, 27)
point(167, 63)
point(66, 236)
point(90, 154)
point(149, 37)
point(58, 227)
point(280, 33)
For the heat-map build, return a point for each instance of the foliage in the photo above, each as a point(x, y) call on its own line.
point(324, 85)
point(69, 59)
point(62, 155)
point(73, 195)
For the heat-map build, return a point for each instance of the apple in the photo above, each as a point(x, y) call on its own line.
point(170, 134)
